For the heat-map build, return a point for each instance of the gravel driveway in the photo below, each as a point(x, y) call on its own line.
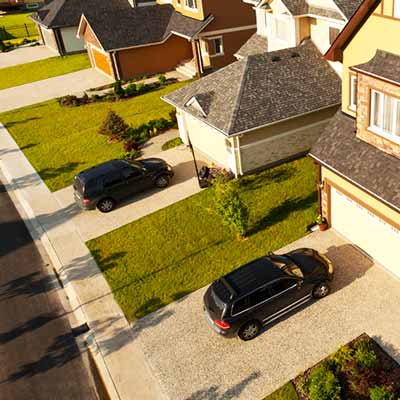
point(192, 362)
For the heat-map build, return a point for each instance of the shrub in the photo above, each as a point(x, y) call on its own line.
point(230, 206)
point(324, 385)
point(2, 46)
point(342, 357)
point(118, 90)
point(141, 88)
point(162, 79)
point(171, 143)
point(130, 155)
point(172, 117)
point(365, 354)
point(114, 126)
point(68, 101)
point(131, 90)
point(130, 145)
point(381, 393)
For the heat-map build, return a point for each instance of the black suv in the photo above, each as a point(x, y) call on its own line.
point(265, 289)
point(105, 184)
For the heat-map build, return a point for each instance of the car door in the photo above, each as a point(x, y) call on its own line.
point(114, 185)
point(135, 179)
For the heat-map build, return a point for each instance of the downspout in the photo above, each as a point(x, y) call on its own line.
point(319, 187)
point(115, 66)
point(239, 155)
point(197, 58)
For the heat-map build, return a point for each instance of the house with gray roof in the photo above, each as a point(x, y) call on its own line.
point(260, 110)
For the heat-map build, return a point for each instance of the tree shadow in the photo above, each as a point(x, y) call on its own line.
point(48, 173)
point(3, 152)
point(22, 121)
point(214, 392)
point(282, 211)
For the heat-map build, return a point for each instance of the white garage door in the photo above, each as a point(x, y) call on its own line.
point(375, 236)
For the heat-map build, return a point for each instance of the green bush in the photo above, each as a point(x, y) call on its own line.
point(141, 88)
point(170, 144)
point(162, 79)
point(231, 207)
point(342, 357)
point(381, 393)
point(118, 90)
point(131, 90)
point(324, 385)
point(114, 126)
point(365, 355)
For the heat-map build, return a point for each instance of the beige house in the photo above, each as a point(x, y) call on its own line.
point(358, 155)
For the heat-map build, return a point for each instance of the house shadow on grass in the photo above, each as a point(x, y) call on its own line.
point(282, 211)
point(215, 393)
point(48, 173)
point(22, 121)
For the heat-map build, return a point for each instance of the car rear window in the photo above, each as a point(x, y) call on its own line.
point(78, 185)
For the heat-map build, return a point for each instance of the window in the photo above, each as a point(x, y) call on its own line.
point(385, 115)
point(217, 46)
point(282, 29)
point(191, 4)
point(282, 285)
point(353, 92)
point(131, 172)
point(111, 179)
point(396, 9)
point(333, 34)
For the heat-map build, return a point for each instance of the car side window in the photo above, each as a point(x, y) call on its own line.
point(240, 305)
point(282, 285)
point(131, 172)
point(259, 296)
point(112, 179)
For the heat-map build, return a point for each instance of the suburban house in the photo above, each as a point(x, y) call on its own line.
point(273, 103)
point(25, 4)
point(358, 154)
point(195, 36)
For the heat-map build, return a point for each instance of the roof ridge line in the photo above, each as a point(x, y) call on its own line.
point(59, 9)
point(239, 96)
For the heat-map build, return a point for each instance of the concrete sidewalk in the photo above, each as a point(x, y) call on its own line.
point(36, 92)
point(25, 55)
point(118, 356)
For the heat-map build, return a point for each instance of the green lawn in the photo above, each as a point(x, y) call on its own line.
point(60, 142)
point(15, 19)
point(42, 69)
point(15, 26)
point(163, 256)
point(286, 392)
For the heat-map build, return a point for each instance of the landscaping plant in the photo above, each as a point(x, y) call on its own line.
point(114, 127)
point(324, 385)
point(381, 393)
point(118, 90)
point(162, 79)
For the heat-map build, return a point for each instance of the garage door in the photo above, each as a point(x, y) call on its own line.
point(101, 61)
point(365, 229)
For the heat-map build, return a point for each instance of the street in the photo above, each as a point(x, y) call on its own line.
point(39, 357)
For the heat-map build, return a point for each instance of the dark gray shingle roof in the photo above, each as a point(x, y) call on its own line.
point(384, 64)
point(255, 45)
point(140, 25)
point(262, 89)
point(371, 168)
point(348, 7)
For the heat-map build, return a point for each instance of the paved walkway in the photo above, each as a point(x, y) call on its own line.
point(36, 92)
point(25, 55)
point(118, 355)
point(154, 145)
point(193, 363)
point(91, 224)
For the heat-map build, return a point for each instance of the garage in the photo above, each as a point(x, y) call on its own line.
point(365, 229)
point(100, 61)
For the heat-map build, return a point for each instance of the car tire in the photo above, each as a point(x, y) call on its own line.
point(106, 205)
point(162, 181)
point(249, 330)
point(321, 290)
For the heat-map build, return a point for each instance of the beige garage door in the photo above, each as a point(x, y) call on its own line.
point(365, 229)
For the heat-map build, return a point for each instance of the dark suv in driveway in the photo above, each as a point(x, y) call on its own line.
point(105, 184)
point(260, 292)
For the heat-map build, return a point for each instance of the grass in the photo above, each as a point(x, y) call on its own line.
point(42, 69)
point(9, 20)
point(59, 142)
point(170, 144)
point(163, 256)
point(14, 25)
point(286, 392)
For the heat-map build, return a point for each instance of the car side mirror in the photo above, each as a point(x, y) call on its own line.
point(299, 284)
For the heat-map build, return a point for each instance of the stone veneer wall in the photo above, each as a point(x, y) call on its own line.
point(365, 84)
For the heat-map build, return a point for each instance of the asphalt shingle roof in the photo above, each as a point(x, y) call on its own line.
point(348, 7)
point(255, 45)
point(384, 64)
point(136, 26)
point(371, 168)
point(262, 89)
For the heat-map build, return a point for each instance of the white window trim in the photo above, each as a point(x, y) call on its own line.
point(187, 7)
point(222, 45)
point(396, 9)
point(376, 129)
point(353, 96)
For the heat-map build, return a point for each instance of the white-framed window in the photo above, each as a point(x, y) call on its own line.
point(353, 92)
point(385, 115)
point(282, 29)
point(192, 4)
point(396, 9)
point(217, 46)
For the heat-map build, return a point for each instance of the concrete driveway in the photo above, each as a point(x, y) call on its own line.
point(25, 55)
point(91, 224)
point(36, 92)
point(191, 362)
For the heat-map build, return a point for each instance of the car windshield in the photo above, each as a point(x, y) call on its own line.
point(288, 266)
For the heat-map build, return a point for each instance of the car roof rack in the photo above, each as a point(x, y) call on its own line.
point(229, 287)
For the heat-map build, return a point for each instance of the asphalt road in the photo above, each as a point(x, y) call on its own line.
point(39, 357)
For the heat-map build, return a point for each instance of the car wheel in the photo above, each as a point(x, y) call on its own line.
point(162, 181)
point(106, 205)
point(249, 330)
point(321, 290)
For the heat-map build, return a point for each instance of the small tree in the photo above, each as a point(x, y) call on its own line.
point(118, 90)
point(114, 126)
point(231, 207)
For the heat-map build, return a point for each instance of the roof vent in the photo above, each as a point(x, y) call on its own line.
point(294, 55)
point(275, 59)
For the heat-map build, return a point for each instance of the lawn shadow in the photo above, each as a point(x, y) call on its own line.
point(282, 211)
point(22, 121)
point(215, 393)
point(48, 173)
point(3, 152)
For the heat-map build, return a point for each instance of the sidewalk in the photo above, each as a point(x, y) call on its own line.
point(119, 357)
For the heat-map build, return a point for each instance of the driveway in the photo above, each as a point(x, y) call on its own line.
point(36, 92)
point(25, 55)
point(192, 362)
point(91, 224)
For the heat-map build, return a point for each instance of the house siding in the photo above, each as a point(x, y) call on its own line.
point(48, 38)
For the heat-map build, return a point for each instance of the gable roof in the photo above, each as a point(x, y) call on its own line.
point(255, 45)
point(366, 8)
point(383, 65)
point(339, 149)
point(262, 89)
point(136, 26)
point(348, 7)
